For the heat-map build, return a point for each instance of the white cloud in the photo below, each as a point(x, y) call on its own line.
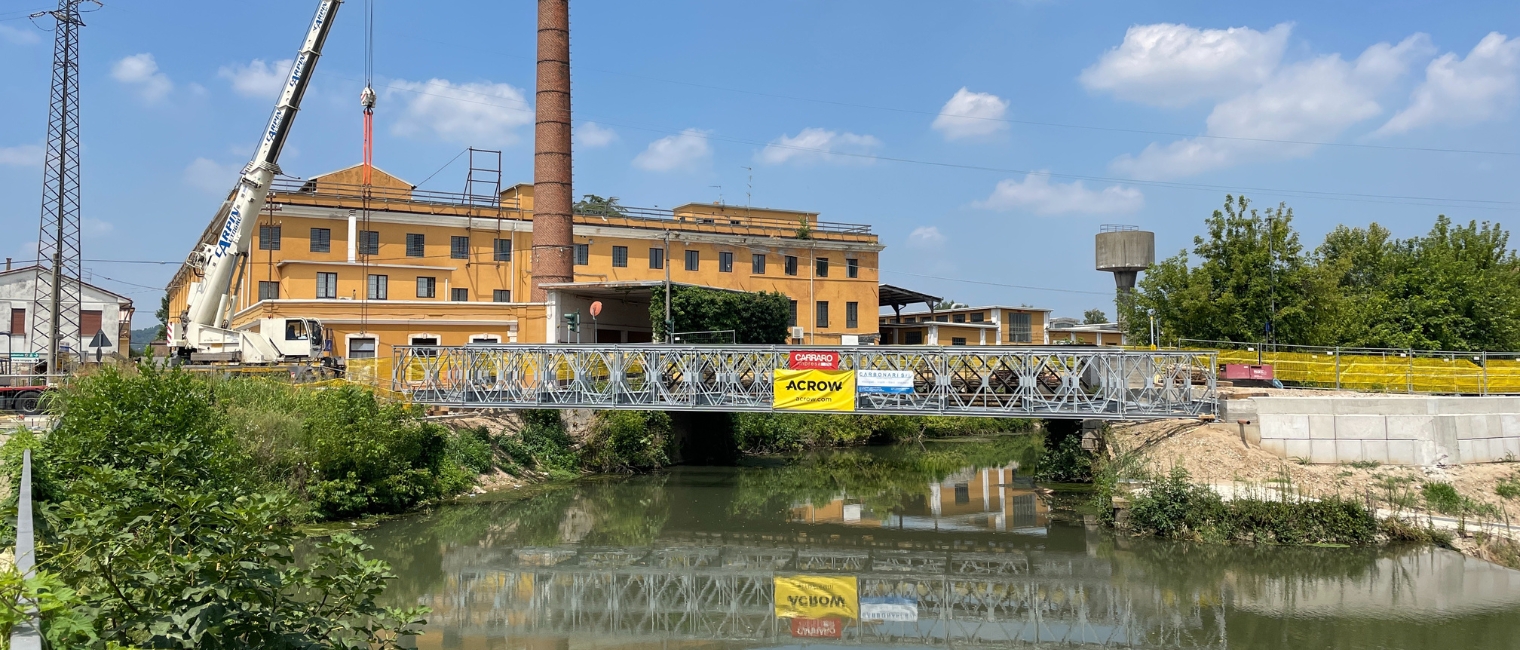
point(210, 176)
point(1172, 65)
point(1037, 194)
point(969, 115)
point(466, 113)
point(1481, 87)
point(257, 79)
point(23, 155)
point(592, 135)
point(926, 238)
point(16, 36)
point(814, 145)
point(140, 71)
point(1311, 101)
point(675, 152)
point(95, 227)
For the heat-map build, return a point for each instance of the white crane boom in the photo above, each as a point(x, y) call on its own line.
point(208, 298)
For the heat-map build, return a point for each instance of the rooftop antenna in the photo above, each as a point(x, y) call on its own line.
point(749, 188)
point(720, 193)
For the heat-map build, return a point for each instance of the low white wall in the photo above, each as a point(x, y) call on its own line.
point(1407, 430)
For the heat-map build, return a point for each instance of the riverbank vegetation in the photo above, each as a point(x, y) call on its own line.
point(764, 433)
point(1454, 288)
point(166, 507)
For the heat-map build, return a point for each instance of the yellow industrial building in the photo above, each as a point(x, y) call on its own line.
point(992, 325)
point(389, 265)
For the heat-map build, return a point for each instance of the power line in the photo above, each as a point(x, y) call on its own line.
point(1061, 125)
point(1332, 196)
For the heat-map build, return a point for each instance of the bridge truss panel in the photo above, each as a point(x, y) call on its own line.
point(1043, 382)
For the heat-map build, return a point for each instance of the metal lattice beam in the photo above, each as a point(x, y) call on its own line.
point(1049, 382)
point(58, 292)
point(980, 600)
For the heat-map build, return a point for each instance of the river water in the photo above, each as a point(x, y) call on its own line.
point(947, 544)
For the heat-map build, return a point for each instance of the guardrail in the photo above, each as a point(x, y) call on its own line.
point(1048, 382)
point(26, 635)
point(1382, 370)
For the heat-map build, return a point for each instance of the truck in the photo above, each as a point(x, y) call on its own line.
point(203, 332)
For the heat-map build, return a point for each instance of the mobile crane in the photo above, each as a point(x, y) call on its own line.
point(204, 333)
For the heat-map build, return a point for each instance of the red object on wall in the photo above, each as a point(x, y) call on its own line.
point(816, 628)
point(812, 360)
point(1242, 371)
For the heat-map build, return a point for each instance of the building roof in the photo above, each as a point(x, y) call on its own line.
point(937, 312)
point(1079, 327)
point(34, 268)
point(618, 289)
point(890, 295)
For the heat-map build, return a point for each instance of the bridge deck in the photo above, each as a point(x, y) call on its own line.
point(1042, 382)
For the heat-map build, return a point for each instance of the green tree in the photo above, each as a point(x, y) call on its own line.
point(1094, 317)
point(594, 205)
point(756, 318)
point(1251, 279)
point(163, 317)
point(949, 304)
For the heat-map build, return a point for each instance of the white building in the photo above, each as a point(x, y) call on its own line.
point(100, 311)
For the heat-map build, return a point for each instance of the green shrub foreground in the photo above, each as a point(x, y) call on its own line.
point(160, 526)
point(1174, 508)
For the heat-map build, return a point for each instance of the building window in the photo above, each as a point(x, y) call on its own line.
point(851, 315)
point(913, 338)
point(427, 287)
point(791, 265)
point(424, 341)
point(269, 238)
point(959, 318)
point(501, 295)
point(90, 321)
point(321, 240)
point(485, 338)
point(978, 317)
point(725, 262)
point(821, 267)
point(327, 285)
point(459, 295)
point(823, 315)
point(1019, 328)
point(379, 287)
point(656, 258)
point(792, 322)
point(757, 263)
point(415, 245)
point(18, 322)
point(269, 290)
point(957, 340)
point(362, 348)
point(459, 248)
point(693, 260)
point(851, 267)
point(582, 254)
point(369, 242)
point(941, 319)
point(503, 250)
point(620, 256)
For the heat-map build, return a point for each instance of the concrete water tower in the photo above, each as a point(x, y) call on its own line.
point(1125, 251)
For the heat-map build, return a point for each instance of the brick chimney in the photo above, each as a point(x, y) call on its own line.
point(553, 236)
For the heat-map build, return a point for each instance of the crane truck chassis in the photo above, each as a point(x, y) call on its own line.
point(203, 334)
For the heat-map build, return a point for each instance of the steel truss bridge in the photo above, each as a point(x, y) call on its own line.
point(1040, 382)
point(965, 600)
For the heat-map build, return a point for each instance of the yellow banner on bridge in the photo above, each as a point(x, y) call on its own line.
point(814, 390)
point(817, 597)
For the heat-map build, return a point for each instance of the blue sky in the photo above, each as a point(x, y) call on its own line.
point(923, 122)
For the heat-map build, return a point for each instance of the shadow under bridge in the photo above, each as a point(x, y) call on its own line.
point(1024, 382)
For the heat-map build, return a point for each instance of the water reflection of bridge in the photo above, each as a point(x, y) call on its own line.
point(965, 599)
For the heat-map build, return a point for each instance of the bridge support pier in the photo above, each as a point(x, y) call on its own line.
point(703, 438)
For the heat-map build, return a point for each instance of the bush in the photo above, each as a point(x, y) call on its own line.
point(1508, 488)
point(371, 457)
point(1175, 508)
point(624, 441)
point(756, 318)
point(542, 445)
point(1442, 497)
point(762, 433)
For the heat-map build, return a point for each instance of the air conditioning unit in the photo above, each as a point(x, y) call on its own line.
point(798, 332)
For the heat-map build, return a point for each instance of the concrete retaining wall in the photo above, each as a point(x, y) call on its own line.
point(1409, 430)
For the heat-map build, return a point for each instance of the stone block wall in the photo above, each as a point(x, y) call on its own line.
point(1396, 430)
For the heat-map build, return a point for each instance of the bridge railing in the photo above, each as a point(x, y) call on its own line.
point(1059, 381)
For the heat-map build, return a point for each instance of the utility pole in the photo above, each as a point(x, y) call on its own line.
point(57, 289)
point(1272, 280)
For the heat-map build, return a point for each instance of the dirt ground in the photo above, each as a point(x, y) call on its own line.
point(1214, 453)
